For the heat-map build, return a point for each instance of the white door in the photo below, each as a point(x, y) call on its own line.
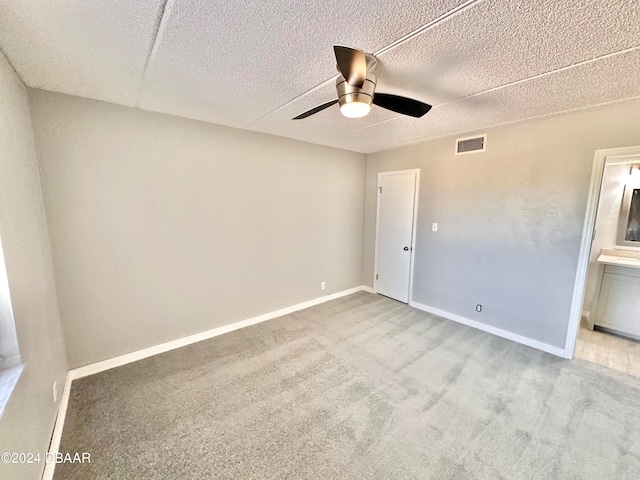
point(394, 244)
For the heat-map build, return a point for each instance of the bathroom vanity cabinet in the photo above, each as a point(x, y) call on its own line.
point(617, 303)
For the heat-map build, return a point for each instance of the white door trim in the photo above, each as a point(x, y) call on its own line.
point(416, 171)
point(599, 159)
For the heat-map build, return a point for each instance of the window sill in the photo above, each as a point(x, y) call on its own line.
point(8, 380)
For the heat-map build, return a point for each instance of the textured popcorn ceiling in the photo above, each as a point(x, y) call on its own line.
point(257, 64)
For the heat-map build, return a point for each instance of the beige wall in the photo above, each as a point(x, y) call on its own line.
point(162, 227)
point(510, 219)
point(27, 422)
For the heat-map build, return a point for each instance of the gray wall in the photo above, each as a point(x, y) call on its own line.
point(162, 227)
point(510, 219)
point(27, 422)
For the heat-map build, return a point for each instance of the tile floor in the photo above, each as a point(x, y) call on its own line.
point(611, 351)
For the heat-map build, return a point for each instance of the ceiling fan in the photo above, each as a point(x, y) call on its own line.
point(356, 86)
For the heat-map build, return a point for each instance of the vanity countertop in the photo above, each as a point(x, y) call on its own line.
point(623, 258)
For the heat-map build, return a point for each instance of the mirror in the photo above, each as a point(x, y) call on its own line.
point(629, 221)
point(632, 233)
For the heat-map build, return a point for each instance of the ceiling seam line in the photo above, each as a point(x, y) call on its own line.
point(158, 32)
point(550, 72)
point(426, 26)
point(393, 44)
point(360, 128)
point(14, 68)
point(494, 89)
point(326, 82)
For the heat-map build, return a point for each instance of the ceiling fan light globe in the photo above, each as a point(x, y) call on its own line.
point(355, 109)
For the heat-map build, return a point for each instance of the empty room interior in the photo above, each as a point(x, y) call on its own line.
point(319, 239)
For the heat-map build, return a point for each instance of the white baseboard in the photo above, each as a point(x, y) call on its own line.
point(165, 347)
point(57, 428)
point(118, 361)
point(545, 347)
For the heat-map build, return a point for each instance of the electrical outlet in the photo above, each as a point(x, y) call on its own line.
point(434, 227)
point(478, 308)
point(55, 391)
point(323, 286)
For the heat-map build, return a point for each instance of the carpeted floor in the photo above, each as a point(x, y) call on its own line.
point(361, 387)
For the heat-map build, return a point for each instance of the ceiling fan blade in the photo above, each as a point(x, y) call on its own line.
point(315, 110)
point(352, 64)
point(403, 105)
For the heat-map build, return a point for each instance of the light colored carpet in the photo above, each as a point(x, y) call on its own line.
point(361, 387)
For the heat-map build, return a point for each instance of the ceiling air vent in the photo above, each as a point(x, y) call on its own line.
point(471, 145)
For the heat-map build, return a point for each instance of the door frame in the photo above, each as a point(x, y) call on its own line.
point(416, 195)
point(600, 158)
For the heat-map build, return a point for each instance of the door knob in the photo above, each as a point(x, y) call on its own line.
point(406, 249)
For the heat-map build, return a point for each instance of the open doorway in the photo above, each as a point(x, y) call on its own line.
point(605, 319)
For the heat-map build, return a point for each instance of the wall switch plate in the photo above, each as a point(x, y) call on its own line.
point(323, 285)
point(55, 391)
point(434, 227)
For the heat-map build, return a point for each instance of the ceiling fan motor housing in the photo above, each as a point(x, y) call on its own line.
point(356, 85)
point(349, 94)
